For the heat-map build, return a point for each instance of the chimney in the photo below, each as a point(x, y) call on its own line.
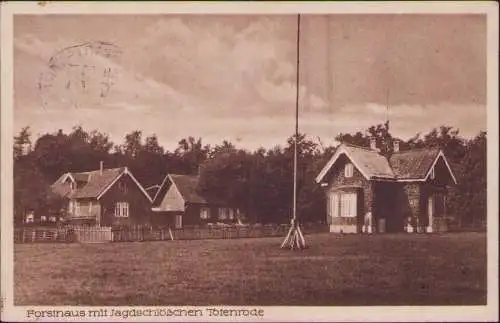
point(373, 143)
point(101, 167)
point(396, 145)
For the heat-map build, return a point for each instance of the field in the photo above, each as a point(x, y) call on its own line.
point(391, 269)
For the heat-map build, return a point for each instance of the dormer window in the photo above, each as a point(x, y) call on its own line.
point(432, 175)
point(72, 185)
point(348, 170)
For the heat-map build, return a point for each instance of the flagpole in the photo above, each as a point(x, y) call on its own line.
point(295, 157)
point(295, 238)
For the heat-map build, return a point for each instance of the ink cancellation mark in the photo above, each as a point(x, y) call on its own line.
point(79, 75)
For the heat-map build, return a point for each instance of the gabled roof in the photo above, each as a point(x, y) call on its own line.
point(95, 183)
point(185, 184)
point(187, 187)
point(369, 162)
point(412, 165)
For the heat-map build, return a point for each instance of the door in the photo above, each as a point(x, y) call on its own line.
point(178, 221)
point(430, 212)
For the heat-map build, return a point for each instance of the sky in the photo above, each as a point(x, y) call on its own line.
point(232, 77)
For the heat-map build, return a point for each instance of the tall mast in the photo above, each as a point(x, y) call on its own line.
point(295, 238)
point(295, 155)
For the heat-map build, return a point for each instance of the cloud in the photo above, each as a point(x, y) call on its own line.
point(228, 77)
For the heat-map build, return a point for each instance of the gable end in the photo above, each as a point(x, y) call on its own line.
point(125, 172)
point(440, 155)
point(340, 151)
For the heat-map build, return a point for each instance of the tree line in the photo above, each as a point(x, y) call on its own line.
point(260, 182)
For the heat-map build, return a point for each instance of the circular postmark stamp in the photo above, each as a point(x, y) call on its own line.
point(79, 75)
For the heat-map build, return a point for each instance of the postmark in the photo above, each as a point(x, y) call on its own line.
point(79, 75)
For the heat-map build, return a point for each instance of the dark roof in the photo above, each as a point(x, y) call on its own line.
point(94, 183)
point(187, 187)
point(186, 184)
point(152, 190)
point(413, 164)
point(404, 165)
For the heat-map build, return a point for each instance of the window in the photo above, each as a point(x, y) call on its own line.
point(223, 213)
point(52, 219)
point(348, 205)
point(348, 170)
point(72, 185)
point(77, 208)
point(204, 213)
point(433, 175)
point(231, 214)
point(71, 207)
point(90, 207)
point(178, 221)
point(122, 186)
point(333, 205)
point(30, 217)
point(121, 210)
point(342, 204)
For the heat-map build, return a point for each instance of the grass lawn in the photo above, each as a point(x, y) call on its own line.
point(390, 269)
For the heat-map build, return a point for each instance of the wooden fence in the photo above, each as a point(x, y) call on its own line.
point(42, 234)
point(88, 234)
point(92, 234)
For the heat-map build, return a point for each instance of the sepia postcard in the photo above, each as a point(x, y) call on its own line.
point(249, 161)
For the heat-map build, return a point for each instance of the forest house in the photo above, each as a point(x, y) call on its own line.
point(367, 191)
point(177, 203)
point(104, 197)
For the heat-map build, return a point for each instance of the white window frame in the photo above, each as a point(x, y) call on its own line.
point(348, 170)
point(122, 209)
point(71, 207)
point(223, 213)
point(30, 217)
point(342, 205)
point(178, 221)
point(348, 202)
point(77, 208)
point(433, 174)
point(333, 205)
point(204, 213)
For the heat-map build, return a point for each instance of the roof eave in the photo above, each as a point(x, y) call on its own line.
point(383, 178)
